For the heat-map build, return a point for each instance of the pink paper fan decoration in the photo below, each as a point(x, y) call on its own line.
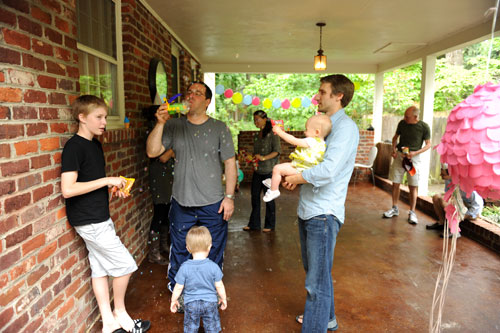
point(474, 128)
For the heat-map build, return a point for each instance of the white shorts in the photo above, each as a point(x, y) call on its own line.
point(107, 254)
point(396, 172)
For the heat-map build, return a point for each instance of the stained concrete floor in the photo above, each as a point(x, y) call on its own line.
point(384, 274)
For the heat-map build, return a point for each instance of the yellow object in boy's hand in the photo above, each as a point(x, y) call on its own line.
point(128, 185)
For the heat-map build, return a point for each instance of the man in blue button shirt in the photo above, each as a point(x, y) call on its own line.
point(321, 206)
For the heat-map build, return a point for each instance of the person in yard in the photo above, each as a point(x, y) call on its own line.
point(474, 204)
point(412, 133)
point(266, 149)
point(84, 186)
point(201, 281)
point(321, 208)
point(309, 152)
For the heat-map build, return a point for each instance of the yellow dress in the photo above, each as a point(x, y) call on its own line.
point(305, 158)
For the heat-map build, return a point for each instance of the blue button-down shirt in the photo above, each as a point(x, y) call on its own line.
point(326, 190)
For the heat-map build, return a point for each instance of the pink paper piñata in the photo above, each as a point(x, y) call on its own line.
point(471, 145)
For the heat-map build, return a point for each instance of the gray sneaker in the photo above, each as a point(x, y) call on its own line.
point(394, 211)
point(412, 217)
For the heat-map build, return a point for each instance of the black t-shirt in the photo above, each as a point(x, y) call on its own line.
point(412, 135)
point(87, 158)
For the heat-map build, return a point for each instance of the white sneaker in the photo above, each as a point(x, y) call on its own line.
point(267, 182)
point(271, 195)
point(394, 211)
point(412, 217)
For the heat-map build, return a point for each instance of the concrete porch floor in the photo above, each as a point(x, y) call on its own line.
point(384, 274)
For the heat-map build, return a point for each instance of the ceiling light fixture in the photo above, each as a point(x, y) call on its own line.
point(320, 59)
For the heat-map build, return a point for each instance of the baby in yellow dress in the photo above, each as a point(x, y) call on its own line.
point(309, 152)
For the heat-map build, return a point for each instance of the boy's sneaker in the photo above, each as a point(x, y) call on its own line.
point(267, 182)
point(271, 195)
point(394, 211)
point(412, 217)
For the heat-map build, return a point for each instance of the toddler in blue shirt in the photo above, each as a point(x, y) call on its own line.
point(201, 280)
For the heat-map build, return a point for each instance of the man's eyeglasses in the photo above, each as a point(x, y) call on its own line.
point(196, 93)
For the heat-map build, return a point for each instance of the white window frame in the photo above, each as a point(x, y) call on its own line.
point(176, 52)
point(113, 122)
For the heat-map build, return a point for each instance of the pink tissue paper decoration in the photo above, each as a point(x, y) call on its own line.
point(471, 145)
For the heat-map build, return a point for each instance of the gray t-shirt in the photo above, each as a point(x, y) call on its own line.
point(200, 151)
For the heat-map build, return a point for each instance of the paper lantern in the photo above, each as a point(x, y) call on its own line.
point(255, 101)
point(276, 103)
point(357, 85)
point(314, 101)
point(285, 104)
point(471, 144)
point(247, 100)
point(228, 93)
point(306, 102)
point(296, 102)
point(219, 89)
point(267, 103)
point(237, 98)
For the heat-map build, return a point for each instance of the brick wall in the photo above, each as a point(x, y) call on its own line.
point(44, 272)
point(245, 142)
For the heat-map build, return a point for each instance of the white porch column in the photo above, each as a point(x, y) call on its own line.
point(426, 114)
point(378, 106)
point(209, 79)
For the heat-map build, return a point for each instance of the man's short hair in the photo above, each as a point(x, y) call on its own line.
point(340, 84)
point(415, 110)
point(208, 91)
point(198, 239)
point(86, 104)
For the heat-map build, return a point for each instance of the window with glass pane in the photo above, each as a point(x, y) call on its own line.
point(96, 78)
point(96, 25)
point(97, 55)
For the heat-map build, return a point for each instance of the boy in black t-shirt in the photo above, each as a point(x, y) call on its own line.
point(84, 185)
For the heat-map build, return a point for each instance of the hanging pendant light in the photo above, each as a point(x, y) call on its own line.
point(320, 59)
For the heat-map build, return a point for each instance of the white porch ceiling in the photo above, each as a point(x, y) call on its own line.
point(363, 36)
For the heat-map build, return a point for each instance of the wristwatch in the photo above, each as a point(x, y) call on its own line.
point(230, 196)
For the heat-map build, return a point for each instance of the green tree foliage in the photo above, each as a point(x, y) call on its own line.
point(453, 83)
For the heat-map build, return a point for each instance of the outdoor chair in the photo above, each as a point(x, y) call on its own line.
point(371, 158)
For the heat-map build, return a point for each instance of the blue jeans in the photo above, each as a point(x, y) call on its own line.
point(318, 237)
point(207, 311)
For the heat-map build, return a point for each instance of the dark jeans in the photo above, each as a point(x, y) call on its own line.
point(184, 218)
point(257, 188)
point(318, 237)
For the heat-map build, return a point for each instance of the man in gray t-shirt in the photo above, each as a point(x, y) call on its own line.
point(203, 149)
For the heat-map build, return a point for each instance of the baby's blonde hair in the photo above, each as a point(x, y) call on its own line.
point(321, 122)
point(198, 239)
